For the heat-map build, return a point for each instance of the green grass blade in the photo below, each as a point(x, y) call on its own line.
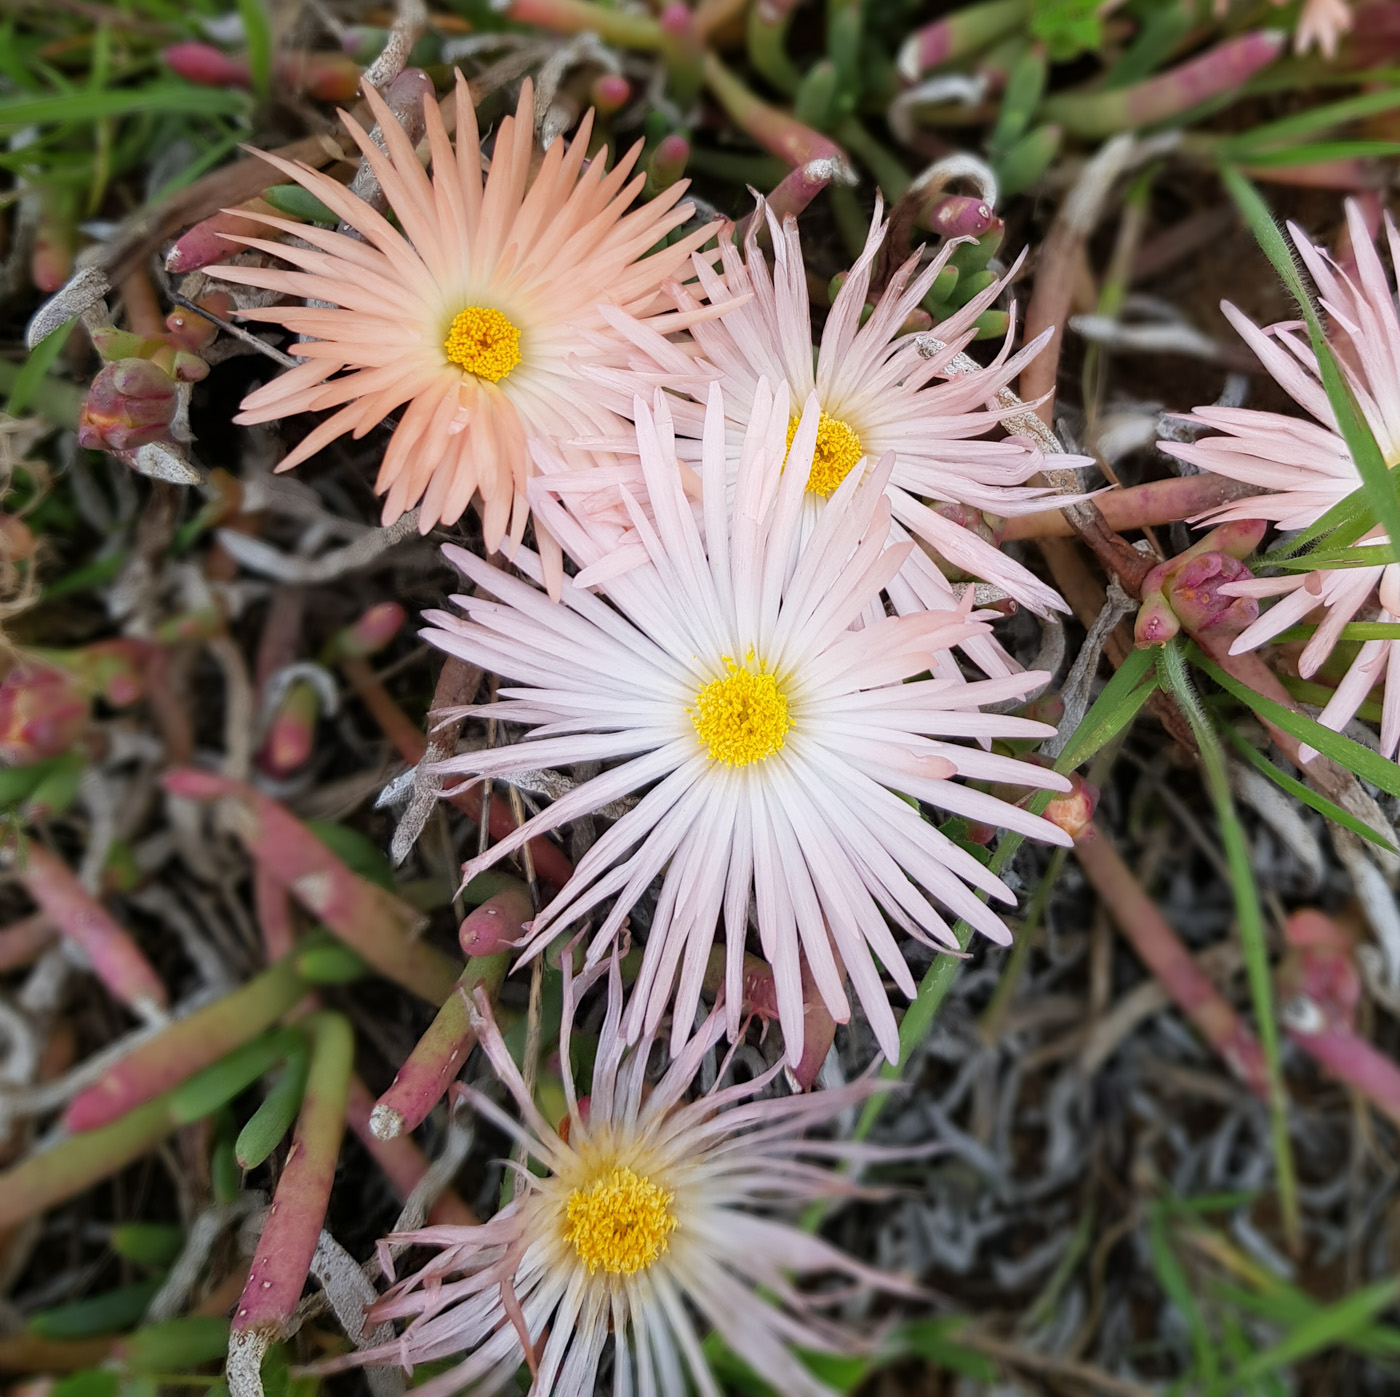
point(1326, 1328)
point(1360, 440)
point(1360, 761)
point(1117, 705)
point(1308, 123)
point(1311, 798)
point(1172, 1278)
point(257, 32)
point(36, 369)
point(76, 107)
point(1320, 152)
point(1172, 673)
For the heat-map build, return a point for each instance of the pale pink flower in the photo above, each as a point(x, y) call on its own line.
point(1305, 467)
point(880, 390)
point(652, 1218)
point(475, 315)
point(1322, 24)
point(772, 735)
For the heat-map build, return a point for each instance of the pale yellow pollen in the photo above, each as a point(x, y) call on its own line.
point(620, 1222)
point(483, 342)
point(837, 451)
point(743, 717)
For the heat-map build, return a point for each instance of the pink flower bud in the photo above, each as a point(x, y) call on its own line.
point(371, 633)
point(43, 712)
point(1156, 622)
point(610, 93)
point(130, 404)
point(1196, 599)
point(207, 66)
point(959, 216)
point(1074, 811)
point(292, 733)
point(193, 332)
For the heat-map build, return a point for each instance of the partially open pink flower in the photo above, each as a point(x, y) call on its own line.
point(770, 735)
point(1305, 467)
point(646, 1218)
point(473, 316)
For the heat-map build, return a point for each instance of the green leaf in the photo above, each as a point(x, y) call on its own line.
point(936, 1341)
point(1361, 442)
point(1249, 144)
point(1311, 798)
point(36, 368)
point(1326, 1328)
point(258, 33)
point(147, 1243)
point(176, 1345)
point(1117, 705)
point(1171, 671)
point(1353, 630)
point(297, 202)
point(1320, 152)
point(75, 107)
point(273, 1119)
point(1067, 27)
point(1359, 760)
point(357, 853)
point(108, 1313)
point(1179, 1291)
point(208, 1090)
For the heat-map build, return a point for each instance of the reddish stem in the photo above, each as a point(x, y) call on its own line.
point(1181, 497)
point(116, 959)
point(1162, 950)
point(403, 1163)
point(288, 1241)
point(186, 1047)
point(366, 917)
point(1351, 1059)
point(777, 132)
point(24, 941)
point(438, 1055)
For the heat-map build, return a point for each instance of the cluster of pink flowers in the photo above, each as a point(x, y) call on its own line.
point(738, 603)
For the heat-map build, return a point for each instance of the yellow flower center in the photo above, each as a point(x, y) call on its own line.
point(837, 451)
point(741, 718)
point(483, 342)
point(620, 1222)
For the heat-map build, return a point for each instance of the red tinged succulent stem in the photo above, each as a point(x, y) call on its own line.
point(366, 917)
point(116, 959)
point(273, 909)
point(288, 1241)
point(1348, 1057)
point(777, 132)
point(550, 864)
point(49, 1176)
point(403, 1163)
point(1221, 70)
point(209, 240)
point(796, 190)
point(1182, 497)
point(438, 1056)
point(1161, 949)
point(24, 941)
point(613, 26)
point(186, 1047)
point(958, 34)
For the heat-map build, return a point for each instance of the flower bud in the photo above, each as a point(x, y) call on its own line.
point(1073, 812)
point(610, 93)
point(130, 404)
point(1196, 599)
point(43, 712)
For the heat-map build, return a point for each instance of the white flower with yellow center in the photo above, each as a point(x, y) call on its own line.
point(472, 315)
point(880, 391)
point(647, 1218)
point(727, 675)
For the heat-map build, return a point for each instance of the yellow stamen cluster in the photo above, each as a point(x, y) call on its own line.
point(620, 1222)
point(741, 718)
point(837, 451)
point(483, 342)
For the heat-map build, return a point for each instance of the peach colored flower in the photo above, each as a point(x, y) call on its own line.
point(475, 315)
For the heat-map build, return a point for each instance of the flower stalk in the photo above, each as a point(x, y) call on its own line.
point(1163, 952)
